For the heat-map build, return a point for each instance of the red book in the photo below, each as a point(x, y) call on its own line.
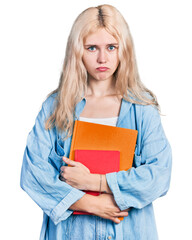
point(99, 162)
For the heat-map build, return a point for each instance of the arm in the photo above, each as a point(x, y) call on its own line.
point(141, 185)
point(40, 175)
point(79, 176)
point(103, 206)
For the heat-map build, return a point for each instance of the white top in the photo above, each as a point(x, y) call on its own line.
point(112, 121)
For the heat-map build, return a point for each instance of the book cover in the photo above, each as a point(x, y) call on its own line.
point(93, 136)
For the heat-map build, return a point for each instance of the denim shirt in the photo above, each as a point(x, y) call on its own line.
point(137, 188)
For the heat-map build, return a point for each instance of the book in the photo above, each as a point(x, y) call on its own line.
point(93, 136)
point(99, 162)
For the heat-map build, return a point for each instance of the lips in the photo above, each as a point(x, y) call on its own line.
point(102, 69)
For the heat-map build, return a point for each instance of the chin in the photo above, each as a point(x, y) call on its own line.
point(104, 77)
point(101, 77)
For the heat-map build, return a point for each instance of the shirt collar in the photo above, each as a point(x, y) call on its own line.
point(125, 107)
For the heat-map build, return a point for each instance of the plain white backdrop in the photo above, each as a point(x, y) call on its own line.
point(32, 46)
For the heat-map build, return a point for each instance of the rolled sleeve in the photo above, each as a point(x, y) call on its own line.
point(113, 185)
point(61, 211)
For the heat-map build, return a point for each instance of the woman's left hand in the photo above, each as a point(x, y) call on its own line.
point(77, 175)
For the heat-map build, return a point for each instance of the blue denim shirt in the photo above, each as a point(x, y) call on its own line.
point(137, 188)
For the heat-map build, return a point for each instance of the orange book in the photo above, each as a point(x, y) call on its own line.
point(93, 136)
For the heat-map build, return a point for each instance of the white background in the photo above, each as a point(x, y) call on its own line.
point(33, 40)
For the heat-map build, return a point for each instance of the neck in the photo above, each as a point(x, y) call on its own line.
point(101, 88)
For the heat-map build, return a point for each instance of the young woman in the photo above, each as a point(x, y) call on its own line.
point(100, 84)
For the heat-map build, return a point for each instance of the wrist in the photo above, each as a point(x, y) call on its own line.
point(104, 186)
point(98, 183)
point(86, 204)
point(93, 182)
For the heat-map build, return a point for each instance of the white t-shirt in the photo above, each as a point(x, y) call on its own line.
point(112, 121)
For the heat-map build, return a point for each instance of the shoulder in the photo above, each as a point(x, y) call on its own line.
point(49, 104)
point(146, 112)
point(147, 118)
point(143, 111)
point(149, 111)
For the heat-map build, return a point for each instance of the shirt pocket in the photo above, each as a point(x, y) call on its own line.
point(137, 160)
point(56, 154)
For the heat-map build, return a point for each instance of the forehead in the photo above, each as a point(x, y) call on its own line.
point(100, 37)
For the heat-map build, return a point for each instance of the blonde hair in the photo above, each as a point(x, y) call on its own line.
point(73, 80)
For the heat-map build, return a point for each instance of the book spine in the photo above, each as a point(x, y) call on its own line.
point(73, 141)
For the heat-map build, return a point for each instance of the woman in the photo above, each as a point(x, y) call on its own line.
point(99, 83)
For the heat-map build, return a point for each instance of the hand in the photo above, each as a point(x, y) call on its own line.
point(107, 208)
point(77, 175)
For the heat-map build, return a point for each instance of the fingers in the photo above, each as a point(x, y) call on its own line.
point(121, 214)
point(72, 163)
point(116, 220)
point(61, 176)
point(124, 214)
point(116, 216)
point(69, 161)
point(62, 173)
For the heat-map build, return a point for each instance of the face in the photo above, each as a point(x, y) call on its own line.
point(100, 55)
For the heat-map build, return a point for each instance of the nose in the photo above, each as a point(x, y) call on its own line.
point(102, 56)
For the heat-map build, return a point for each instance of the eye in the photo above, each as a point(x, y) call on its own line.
point(91, 48)
point(111, 47)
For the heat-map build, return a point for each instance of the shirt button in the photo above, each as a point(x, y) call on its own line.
point(109, 237)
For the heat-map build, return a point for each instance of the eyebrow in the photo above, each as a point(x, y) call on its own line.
point(86, 45)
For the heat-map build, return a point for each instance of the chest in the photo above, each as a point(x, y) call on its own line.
point(101, 108)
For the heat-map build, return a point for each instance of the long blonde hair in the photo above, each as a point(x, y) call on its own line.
point(73, 80)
